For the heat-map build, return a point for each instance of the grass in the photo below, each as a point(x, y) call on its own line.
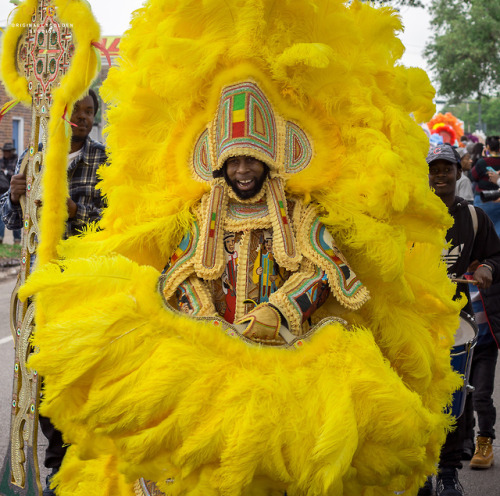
point(10, 251)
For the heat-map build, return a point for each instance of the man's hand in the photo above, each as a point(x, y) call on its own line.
point(493, 177)
point(17, 187)
point(483, 276)
point(262, 324)
point(72, 208)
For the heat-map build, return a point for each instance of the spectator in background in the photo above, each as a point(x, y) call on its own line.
point(487, 143)
point(481, 176)
point(476, 153)
point(7, 167)
point(86, 155)
point(487, 174)
point(464, 185)
point(486, 306)
point(9, 160)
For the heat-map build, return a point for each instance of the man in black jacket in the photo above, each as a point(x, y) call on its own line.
point(469, 241)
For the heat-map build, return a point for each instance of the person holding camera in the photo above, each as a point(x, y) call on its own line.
point(487, 191)
point(495, 179)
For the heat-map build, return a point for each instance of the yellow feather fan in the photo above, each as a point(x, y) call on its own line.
point(139, 391)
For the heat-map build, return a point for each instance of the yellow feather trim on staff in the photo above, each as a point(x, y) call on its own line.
point(73, 85)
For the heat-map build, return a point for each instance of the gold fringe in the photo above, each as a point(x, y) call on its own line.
point(352, 302)
point(284, 243)
point(209, 259)
point(241, 282)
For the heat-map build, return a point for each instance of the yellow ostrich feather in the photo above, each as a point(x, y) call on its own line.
point(139, 391)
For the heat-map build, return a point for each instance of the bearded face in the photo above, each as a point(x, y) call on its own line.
point(245, 175)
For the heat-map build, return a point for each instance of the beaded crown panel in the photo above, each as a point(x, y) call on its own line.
point(247, 124)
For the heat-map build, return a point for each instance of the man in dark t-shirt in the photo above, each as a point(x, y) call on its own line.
point(466, 245)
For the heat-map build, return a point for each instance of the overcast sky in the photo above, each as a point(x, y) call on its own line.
point(114, 16)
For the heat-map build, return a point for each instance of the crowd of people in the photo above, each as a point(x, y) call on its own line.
point(467, 180)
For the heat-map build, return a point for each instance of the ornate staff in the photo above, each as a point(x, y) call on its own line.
point(48, 62)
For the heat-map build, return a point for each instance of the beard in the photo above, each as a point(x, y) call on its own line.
point(247, 194)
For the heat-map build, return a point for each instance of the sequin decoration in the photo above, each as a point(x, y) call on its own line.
point(298, 149)
point(279, 202)
point(144, 487)
point(183, 253)
point(44, 55)
point(213, 227)
point(202, 163)
point(345, 279)
point(242, 211)
point(245, 119)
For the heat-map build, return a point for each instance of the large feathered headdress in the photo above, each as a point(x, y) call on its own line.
point(142, 392)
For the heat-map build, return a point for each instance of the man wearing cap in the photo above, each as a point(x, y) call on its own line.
point(471, 238)
point(9, 159)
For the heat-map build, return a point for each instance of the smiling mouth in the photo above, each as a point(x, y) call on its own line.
point(245, 184)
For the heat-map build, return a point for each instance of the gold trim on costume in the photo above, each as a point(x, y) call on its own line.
point(240, 216)
point(282, 298)
point(285, 247)
point(209, 260)
point(242, 280)
point(317, 244)
point(246, 123)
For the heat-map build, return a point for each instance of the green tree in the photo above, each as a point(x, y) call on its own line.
point(464, 52)
point(468, 112)
point(399, 3)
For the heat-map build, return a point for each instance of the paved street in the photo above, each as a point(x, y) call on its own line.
point(476, 483)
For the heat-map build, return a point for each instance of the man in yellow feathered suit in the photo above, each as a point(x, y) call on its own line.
point(245, 154)
point(314, 91)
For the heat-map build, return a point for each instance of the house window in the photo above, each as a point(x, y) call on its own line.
point(18, 134)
